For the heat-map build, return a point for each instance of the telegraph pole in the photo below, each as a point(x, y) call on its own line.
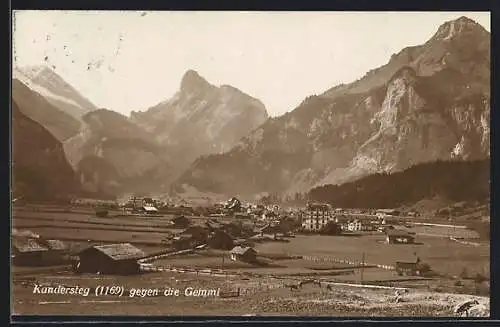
point(362, 267)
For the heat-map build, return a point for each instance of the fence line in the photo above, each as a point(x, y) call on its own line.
point(349, 262)
point(464, 242)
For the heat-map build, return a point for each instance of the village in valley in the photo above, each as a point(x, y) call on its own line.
point(198, 173)
point(249, 254)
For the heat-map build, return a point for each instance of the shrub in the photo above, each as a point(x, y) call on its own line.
point(479, 278)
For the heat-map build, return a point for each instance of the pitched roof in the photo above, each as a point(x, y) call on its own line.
point(24, 233)
point(122, 251)
point(55, 244)
point(149, 208)
point(397, 232)
point(241, 250)
point(25, 245)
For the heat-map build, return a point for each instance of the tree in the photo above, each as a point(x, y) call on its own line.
point(331, 228)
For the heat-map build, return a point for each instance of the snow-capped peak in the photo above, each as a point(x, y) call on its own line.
point(44, 81)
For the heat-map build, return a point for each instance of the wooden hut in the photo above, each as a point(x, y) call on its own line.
point(110, 259)
point(245, 254)
point(28, 252)
point(396, 236)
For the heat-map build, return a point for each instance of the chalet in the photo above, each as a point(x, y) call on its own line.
point(28, 252)
point(410, 266)
point(180, 222)
point(245, 254)
point(110, 259)
point(233, 205)
point(149, 210)
point(397, 236)
point(55, 245)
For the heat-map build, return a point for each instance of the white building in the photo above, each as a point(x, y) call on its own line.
point(359, 226)
point(149, 210)
point(315, 220)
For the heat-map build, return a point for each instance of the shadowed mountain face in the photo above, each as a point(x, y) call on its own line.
point(40, 170)
point(201, 119)
point(35, 106)
point(428, 102)
point(112, 154)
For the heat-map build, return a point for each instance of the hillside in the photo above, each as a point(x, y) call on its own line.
point(60, 124)
point(455, 181)
point(40, 170)
point(429, 102)
point(112, 154)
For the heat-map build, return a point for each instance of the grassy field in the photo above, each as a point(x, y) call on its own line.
point(444, 255)
point(433, 246)
point(263, 296)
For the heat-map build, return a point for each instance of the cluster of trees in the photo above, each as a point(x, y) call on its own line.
point(453, 180)
point(277, 198)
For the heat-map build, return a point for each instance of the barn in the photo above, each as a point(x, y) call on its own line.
point(149, 210)
point(110, 259)
point(28, 252)
point(395, 236)
point(246, 254)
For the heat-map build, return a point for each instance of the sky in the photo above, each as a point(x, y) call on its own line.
point(130, 60)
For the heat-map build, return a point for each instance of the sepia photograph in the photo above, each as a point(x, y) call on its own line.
point(230, 163)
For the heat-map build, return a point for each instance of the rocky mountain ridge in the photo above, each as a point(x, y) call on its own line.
point(429, 102)
point(201, 118)
point(46, 82)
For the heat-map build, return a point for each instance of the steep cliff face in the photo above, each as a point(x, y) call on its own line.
point(201, 118)
point(429, 102)
point(111, 153)
point(40, 170)
point(419, 121)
